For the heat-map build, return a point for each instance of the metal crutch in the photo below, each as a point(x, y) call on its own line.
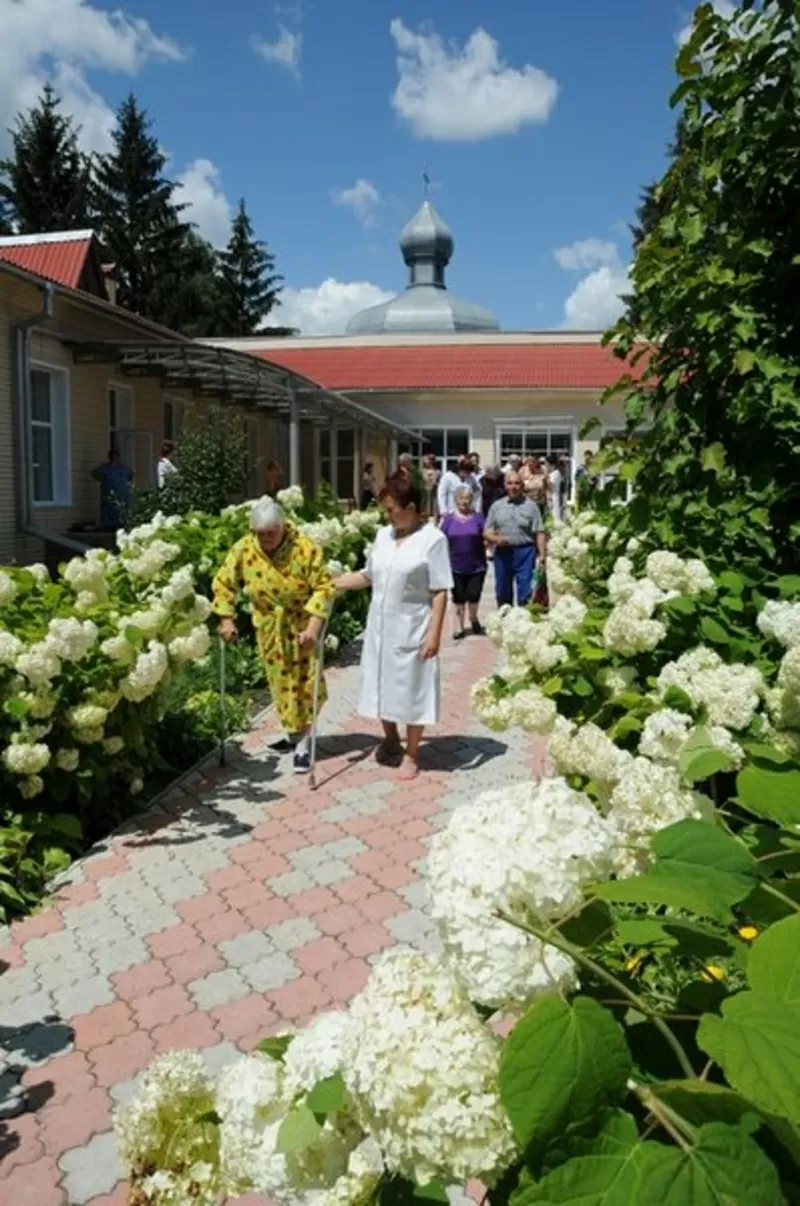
point(312, 760)
point(223, 717)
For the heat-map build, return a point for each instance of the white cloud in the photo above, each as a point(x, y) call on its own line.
point(327, 308)
point(723, 8)
point(285, 50)
point(447, 92)
point(363, 198)
point(200, 190)
point(64, 41)
point(586, 253)
point(596, 300)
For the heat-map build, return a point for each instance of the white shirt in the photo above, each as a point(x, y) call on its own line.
point(449, 486)
point(164, 470)
point(554, 486)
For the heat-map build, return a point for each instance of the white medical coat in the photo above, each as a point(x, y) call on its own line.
point(396, 684)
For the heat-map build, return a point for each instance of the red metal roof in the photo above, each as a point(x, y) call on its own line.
point(459, 366)
point(62, 262)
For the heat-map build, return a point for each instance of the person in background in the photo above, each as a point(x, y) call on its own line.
point(283, 575)
point(585, 477)
point(166, 466)
point(512, 465)
point(273, 478)
point(115, 480)
point(409, 572)
point(515, 530)
point(476, 466)
point(493, 486)
point(452, 481)
point(405, 464)
point(430, 482)
point(555, 484)
point(464, 532)
point(368, 487)
point(534, 482)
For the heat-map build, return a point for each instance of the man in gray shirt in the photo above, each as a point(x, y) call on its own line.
point(515, 530)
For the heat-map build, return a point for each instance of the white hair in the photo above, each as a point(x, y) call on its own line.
point(266, 513)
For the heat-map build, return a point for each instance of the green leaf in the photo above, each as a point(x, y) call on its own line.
point(774, 964)
point(328, 1095)
point(643, 933)
point(275, 1046)
point(744, 360)
point(725, 1167)
point(713, 458)
point(700, 1101)
point(605, 1173)
point(756, 1042)
point(789, 586)
point(66, 823)
point(133, 635)
point(16, 707)
point(697, 867)
point(298, 1130)
point(592, 925)
point(771, 793)
point(700, 758)
point(713, 631)
point(562, 1064)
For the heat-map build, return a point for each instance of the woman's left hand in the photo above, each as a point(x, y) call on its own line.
point(430, 648)
point(310, 635)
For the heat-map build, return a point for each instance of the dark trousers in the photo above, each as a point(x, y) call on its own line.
point(513, 564)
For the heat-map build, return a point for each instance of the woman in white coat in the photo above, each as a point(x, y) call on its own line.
point(409, 572)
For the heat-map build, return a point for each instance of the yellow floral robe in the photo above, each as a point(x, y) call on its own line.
point(285, 590)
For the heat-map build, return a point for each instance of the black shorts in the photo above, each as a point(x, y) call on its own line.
point(467, 588)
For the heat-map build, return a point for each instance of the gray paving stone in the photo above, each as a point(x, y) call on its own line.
point(111, 932)
point(411, 927)
point(83, 916)
point(61, 945)
point(153, 919)
point(91, 1170)
point(182, 887)
point(332, 871)
point(288, 935)
point(217, 1058)
point(125, 1090)
point(61, 973)
point(219, 988)
point(308, 857)
point(291, 883)
point(273, 972)
point(345, 847)
point(416, 894)
point(368, 806)
point(246, 948)
point(28, 1009)
point(83, 996)
point(120, 956)
point(338, 813)
point(16, 983)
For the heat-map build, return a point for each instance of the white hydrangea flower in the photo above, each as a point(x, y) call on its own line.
point(335, 568)
point(8, 589)
point(318, 1051)
point(67, 759)
point(424, 1074)
point(698, 577)
point(532, 711)
point(201, 609)
point(25, 758)
point(71, 639)
point(10, 648)
point(179, 587)
point(496, 714)
point(585, 750)
point(331, 642)
point(40, 704)
point(152, 559)
point(136, 785)
point(629, 629)
point(89, 736)
point(783, 708)
point(147, 673)
point(730, 693)
point(113, 745)
point(363, 521)
point(323, 532)
point(664, 735)
point(566, 616)
point(87, 576)
point(39, 665)
point(666, 570)
point(781, 621)
point(31, 787)
point(291, 499)
point(789, 671)
point(527, 851)
point(617, 679)
point(87, 716)
point(621, 581)
point(193, 647)
point(119, 650)
point(540, 653)
point(40, 572)
point(648, 797)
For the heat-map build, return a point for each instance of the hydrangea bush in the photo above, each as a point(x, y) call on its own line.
point(92, 662)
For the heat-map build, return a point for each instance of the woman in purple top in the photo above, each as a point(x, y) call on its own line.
point(464, 532)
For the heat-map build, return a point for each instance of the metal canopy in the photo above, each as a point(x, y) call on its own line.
point(236, 378)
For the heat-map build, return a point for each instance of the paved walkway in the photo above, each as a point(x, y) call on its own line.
point(241, 904)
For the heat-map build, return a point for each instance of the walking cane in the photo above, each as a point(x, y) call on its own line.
point(315, 703)
point(223, 718)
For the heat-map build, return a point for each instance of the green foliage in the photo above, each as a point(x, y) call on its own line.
point(213, 466)
point(249, 287)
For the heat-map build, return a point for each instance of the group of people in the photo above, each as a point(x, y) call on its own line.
point(116, 483)
point(412, 568)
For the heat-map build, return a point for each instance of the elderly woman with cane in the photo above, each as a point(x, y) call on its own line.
point(283, 575)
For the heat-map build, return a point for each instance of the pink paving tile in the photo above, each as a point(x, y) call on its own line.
point(383, 838)
point(287, 843)
point(269, 866)
point(139, 981)
point(102, 868)
point(201, 907)
point(394, 876)
point(225, 925)
point(345, 980)
point(22, 1142)
point(65, 1125)
point(61, 1077)
point(192, 1032)
point(300, 999)
point(123, 1059)
point(318, 835)
point(76, 894)
point(367, 940)
point(229, 877)
point(416, 828)
point(408, 852)
point(11, 956)
point(382, 905)
point(252, 852)
point(351, 891)
point(319, 955)
point(102, 1025)
point(34, 1184)
point(361, 826)
point(340, 920)
point(369, 861)
point(193, 965)
point(162, 1006)
point(244, 1017)
point(175, 941)
point(272, 912)
point(119, 1197)
point(266, 832)
point(247, 895)
point(46, 922)
point(313, 901)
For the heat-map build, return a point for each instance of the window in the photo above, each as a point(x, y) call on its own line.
point(173, 419)
point(49, 437)
point(251, 431)
point(447, 444)
point(120, 416)
point(324, 436)
point(345, 462)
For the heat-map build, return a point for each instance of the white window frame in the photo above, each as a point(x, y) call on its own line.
point(445, 428)
point(541, 425)
point(114, 431)
point(60, 437)
point(178, 409)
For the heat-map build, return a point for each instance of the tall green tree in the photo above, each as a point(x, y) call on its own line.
point(45, 183)
point(717, 289)
point(249, 284)
point(139, 217)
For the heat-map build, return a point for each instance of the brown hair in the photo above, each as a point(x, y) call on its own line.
point(402, 491)
point(167, 448)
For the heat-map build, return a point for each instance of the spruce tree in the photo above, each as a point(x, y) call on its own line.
point(140, 222)
point(46, 180)
point(189, 291)
point(249, 285)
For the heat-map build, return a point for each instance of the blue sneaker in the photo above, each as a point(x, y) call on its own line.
point(302, 764)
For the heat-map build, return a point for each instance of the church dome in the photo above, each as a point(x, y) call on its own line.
point(425, 305)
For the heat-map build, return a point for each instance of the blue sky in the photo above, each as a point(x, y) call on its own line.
point(538, 124)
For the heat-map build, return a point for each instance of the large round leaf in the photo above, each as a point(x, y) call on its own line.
point(774, 963)
point(723, 1168)
point(561, 1065)
point(771, 792)
point(756, 1042)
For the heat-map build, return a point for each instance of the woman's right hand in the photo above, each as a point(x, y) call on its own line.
point(227, 630)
